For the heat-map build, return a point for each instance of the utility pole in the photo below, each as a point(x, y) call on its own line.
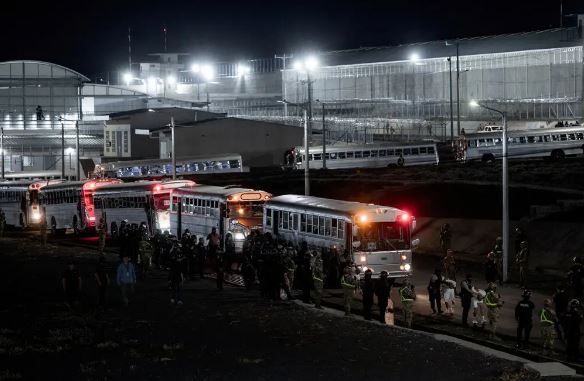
point(457, 91)
point(62, 150)
point(309, 89)
point(505, 202)
point(164, 30)
point(173, 148)
point(306, 157)
point(129, 49)
point(77, 164)
point(451, 102)
point(284, 57)
point(2, 149)
point(323, 138)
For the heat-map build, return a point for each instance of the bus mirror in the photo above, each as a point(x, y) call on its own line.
point(415, 243)
point(413, 225)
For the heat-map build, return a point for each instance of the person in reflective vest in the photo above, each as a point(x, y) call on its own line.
point(318, 280)
point(407, 295)
point(493, 303)
point(548, 321)
point(498, 251)
point(348, 285)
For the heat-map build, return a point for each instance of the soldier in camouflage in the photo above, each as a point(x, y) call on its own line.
point(494, 303)
point(407, 297)
point(318, 280)
point(548, 321)
point(348, 285)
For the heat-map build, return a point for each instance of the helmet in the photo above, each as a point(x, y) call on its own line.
point(526, 293)
point(491, 255)
point(383, 274)
point(577, 260)
point(499, 239)
point(492, 286)
point(574, 303)
point(523, 243)
point(547, 303)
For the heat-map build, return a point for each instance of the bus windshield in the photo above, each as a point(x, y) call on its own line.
point(245, 210)
point(381, 236)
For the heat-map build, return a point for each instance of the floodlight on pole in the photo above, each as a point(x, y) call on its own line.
point(505, 181)
point(171, 80)
point(414, 57)
point(207, 72)
point(243, 70)
point(195, 68)
point(127, 78)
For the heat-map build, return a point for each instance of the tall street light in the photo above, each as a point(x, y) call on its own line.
point(2, 149)
point(308, 65)
point(457, 85)
point(505, 188)
point(208, 73)
point(306, 145)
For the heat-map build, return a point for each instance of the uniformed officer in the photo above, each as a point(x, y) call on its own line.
point(573, 319)
point(524, 315)
point(548, 321)
point(145, 251)
point(521, 260)
point(576, 277)
point(368, 292)
point(348, 285)
point(498, 251)
point(101, 231)
point(383, 291)
point(493, 303)
point(289, 268)
point(2, 223)
point(445, 238)
point(318, 280)
point(407, 296)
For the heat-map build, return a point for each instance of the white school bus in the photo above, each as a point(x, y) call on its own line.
point(379, 238)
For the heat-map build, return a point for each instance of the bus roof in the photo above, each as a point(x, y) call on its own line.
point(346, 208)
point(179, 160)
point(220, 192)
point(358, 147)
point(138, 186)
point(15, 184)
point(533, 131)
point(77, 184)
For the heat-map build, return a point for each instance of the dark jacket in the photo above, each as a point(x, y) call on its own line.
point(382, 290)
point(524, 311)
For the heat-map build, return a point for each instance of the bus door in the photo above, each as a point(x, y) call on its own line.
point(349, 237)
point(223, 222)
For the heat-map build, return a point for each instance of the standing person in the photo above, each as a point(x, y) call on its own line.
point(521, 260)
point(220, 268)
point(519, 237)
point(39, 113)
point(548, 321)
point(126, 278)
point(466, 295)
point(71, 282)
point(382, 290)
point(101, 281)
point(435, 291)
point(290, 267)
point(449, 265)
point(43, 232)
point(498, 251)
point(306, 276)
point(145, 250)
point(102, 233)
point(573, 319)
point(407, 296)
point(445, 238)
point(576, 276)
point(368, 290)
point(214, 242)
point(478, 307)
point(176, 279)
point(201, 257)
point(2, 223)
point(317, 280)
point(449, 296)
point(348, 285)
point(493, 303)
point(561, 301)
point(491, 272)
point(524, 317)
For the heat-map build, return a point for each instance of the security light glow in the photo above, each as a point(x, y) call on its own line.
point(414, 57)
point(242, 70)
point(298, 65)
point(127, 78)
point(473, 103)
point(195, 68)
point(208, 72)
point(311, 63)
point(69, 151)
point(171, 79)
point(151, 82)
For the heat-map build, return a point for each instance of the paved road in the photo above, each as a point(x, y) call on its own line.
point(231, 334)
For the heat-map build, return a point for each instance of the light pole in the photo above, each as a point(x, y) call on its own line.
point(308, 64)
point(306, 146)
point(451, 102)
point(173, 146)
point(284, 57)
point(2, 150)
point(77, 165)
point(505, 188)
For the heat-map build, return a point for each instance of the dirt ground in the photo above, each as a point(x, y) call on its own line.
point(231, 334)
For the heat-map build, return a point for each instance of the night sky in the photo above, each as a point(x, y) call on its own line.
point(91, 36)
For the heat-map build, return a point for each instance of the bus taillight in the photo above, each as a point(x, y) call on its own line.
point(405, 217)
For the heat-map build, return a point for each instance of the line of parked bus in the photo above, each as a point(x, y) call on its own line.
point(486, 146)
point(378, 237)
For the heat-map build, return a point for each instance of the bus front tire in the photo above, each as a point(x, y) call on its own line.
point(488, 158)
point(558, 154)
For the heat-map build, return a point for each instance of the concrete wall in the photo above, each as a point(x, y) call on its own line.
point(260, 143)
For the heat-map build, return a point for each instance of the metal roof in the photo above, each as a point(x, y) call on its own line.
point(211, 190)
point(68, 73)
point(141, 186)
point(544, 39)
point(318, 204)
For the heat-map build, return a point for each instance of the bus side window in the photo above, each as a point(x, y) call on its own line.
point(321, 225)
point(531, 139)
point(555, 138)
point(374, 153)
point(571, 136)
point(327, 227)
point(342, 155)
point(334, 229)
point(303, 223)
point(407, 151)
point(382, 153)
point(390, 152)
point(284, 220)
point(350, 155)
point(268, 217)
point(314, 224)
point(358, 154)
point(580, 136)
point(366, 154)
point(563, 137)
point(341, 229)
point(295, 222)
point(333, 156)
point(415, 151)
point(423, 150)
point(547, 138)
point(539, 139)
point(309, 223)
point(317, 156)
point(522, 139)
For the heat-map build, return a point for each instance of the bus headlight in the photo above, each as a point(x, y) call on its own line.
point(36, 216)
point(239, 236)
point(363, 258)
point(404, 257)
point(407, 267)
